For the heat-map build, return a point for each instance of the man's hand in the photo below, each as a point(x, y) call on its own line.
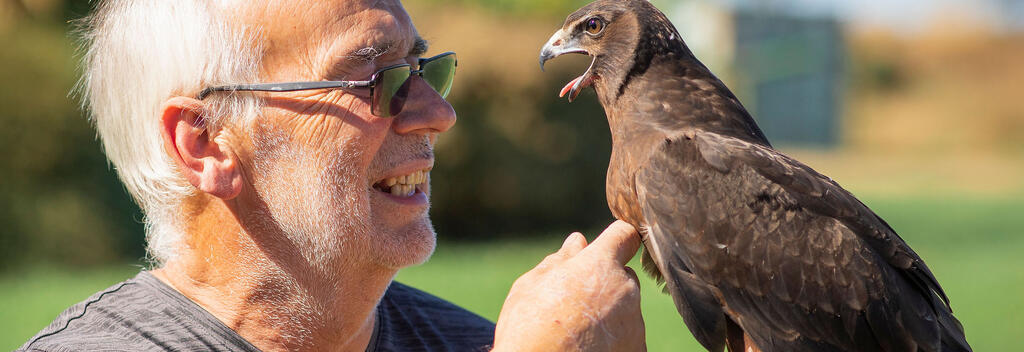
point(581, 298)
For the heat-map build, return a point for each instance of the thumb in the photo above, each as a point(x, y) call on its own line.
point(573, 244)
point(619, 241)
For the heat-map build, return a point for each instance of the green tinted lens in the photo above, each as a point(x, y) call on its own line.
point(439, 73)
point(388, 95)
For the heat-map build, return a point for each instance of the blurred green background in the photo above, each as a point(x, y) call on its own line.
point(924, 122)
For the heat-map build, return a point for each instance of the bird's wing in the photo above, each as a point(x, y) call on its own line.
point(696, 301)
point(799, 263)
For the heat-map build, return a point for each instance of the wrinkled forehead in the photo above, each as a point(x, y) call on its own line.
point(303, 37)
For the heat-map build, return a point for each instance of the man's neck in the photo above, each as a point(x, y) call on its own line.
point(272, 303)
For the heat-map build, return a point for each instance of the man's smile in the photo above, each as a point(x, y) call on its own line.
point(404, 185)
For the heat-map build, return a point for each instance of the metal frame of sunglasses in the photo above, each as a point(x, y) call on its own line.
point(389, 109)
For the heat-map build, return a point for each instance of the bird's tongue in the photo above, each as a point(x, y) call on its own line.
point(575, 86)
point(569, 86)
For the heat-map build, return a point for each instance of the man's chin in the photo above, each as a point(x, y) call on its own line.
point(402, 234)
point(407, 246)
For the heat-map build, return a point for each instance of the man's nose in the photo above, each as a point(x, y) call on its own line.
point(425, 111)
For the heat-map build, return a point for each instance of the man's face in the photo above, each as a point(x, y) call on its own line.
point(315, 159)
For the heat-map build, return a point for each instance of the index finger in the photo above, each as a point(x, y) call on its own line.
point(620, 241)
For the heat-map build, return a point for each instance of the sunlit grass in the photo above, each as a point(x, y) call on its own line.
point(972, 245)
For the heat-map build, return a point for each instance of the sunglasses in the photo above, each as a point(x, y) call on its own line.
point(388, 86)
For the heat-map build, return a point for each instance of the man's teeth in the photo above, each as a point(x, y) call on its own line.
point(404, 185)
point(403, 190)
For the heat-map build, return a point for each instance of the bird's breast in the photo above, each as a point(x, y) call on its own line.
point(620, 186)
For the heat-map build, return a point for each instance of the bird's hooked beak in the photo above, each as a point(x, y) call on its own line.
point(560, 44)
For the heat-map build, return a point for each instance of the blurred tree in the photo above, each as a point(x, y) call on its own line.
point(545, 8)
point(59, 201)
point(75, 9)
point(16, 7)
point(520, 161)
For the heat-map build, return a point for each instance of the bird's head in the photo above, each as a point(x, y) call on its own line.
point(608, 31)
point(598, 29)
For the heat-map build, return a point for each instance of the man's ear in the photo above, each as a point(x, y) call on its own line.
point(207, 163)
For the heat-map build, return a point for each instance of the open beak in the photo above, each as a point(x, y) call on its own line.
point(561, 44)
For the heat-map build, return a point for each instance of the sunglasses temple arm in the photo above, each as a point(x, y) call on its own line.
point(283, 87)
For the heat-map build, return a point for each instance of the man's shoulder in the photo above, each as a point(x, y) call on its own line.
point(411, 317)
point(140, 313)
point(407, 298)
point(66, 332)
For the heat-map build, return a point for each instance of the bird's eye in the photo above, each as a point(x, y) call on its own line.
point(595, 25)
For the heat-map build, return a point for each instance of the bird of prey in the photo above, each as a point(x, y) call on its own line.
point(759, 251)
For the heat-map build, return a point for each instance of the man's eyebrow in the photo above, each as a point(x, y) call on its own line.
point(370, 53)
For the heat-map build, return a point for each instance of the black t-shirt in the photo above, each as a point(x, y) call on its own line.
point(144, 314)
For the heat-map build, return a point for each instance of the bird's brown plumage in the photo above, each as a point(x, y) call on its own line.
point(747, 240)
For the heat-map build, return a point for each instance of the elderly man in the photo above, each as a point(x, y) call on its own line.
point(279, 214)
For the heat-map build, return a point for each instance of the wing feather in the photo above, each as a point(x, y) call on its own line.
point(696, 301)
point(798, 262)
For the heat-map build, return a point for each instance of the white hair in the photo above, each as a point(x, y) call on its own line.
point(138, 54)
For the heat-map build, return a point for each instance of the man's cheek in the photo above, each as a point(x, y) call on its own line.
point(316, 119)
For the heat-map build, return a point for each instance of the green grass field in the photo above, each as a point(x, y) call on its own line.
point(974, 246)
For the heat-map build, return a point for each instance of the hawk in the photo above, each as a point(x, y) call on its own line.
point(758, 250)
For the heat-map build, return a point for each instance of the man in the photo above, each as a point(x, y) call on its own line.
point(278, 220)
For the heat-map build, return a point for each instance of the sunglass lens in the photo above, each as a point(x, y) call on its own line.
point(389, 91)
point(391, 87)
point(440, 73)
